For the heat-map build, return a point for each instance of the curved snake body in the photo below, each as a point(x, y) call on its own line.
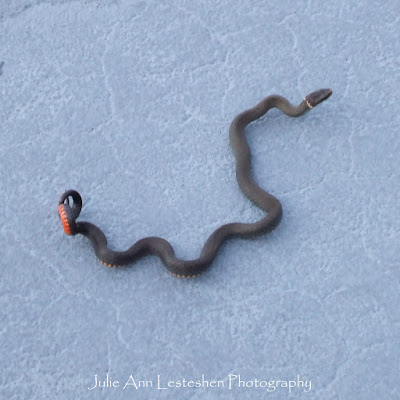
point(69, 212)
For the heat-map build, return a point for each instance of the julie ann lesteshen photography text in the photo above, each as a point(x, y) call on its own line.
point(231, 382)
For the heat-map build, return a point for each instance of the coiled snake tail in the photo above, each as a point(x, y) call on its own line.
point(70, 203)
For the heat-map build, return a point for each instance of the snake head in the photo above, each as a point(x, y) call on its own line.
point(314, 98)
point(69, 208)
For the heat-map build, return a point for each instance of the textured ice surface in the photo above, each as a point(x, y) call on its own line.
point(130, 102)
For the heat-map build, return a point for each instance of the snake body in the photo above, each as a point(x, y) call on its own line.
point(69, 211)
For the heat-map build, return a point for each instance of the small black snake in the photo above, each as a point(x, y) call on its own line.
point(69, 211)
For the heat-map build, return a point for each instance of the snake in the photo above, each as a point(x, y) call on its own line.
point(70, 203)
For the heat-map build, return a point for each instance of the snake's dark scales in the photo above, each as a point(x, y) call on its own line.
point(69, 212)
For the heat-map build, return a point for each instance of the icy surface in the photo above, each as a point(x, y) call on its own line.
point(130, 102)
